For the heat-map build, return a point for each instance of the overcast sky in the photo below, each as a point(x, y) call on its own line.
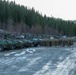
point(65, 9)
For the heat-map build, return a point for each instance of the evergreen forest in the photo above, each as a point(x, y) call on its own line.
point(21, 19)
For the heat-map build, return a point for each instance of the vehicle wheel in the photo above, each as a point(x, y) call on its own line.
point(1, 48)
point(32, 45)
point(22, 46)
point(13, 47)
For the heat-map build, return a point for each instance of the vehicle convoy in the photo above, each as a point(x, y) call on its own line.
point(17, 43)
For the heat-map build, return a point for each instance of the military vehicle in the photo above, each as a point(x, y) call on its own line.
point(17, 43)
point(35, 42)
point(26, 43)
point(5, 44)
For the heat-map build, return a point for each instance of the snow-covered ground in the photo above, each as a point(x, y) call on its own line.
point(39, 61)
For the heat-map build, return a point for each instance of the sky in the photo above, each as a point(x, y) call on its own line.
point(65, 9)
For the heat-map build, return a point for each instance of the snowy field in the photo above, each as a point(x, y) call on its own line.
point(39, 61)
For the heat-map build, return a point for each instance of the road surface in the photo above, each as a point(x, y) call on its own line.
point(39, 61)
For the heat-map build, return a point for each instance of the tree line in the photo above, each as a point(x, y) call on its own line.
point(18, 18)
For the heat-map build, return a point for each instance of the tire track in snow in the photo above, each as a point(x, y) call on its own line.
point(62, 68)
point(31, 62)
point(46, 67)
point(65, 67)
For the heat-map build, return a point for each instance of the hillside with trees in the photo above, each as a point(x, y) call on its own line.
point(20, 19)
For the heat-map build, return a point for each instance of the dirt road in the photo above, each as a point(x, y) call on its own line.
point(39, 61)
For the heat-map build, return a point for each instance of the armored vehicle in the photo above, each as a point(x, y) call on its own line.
point(5, 44)
point(26, 43)
point(17, 43)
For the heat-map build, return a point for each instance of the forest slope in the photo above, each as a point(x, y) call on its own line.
point(20, 19)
